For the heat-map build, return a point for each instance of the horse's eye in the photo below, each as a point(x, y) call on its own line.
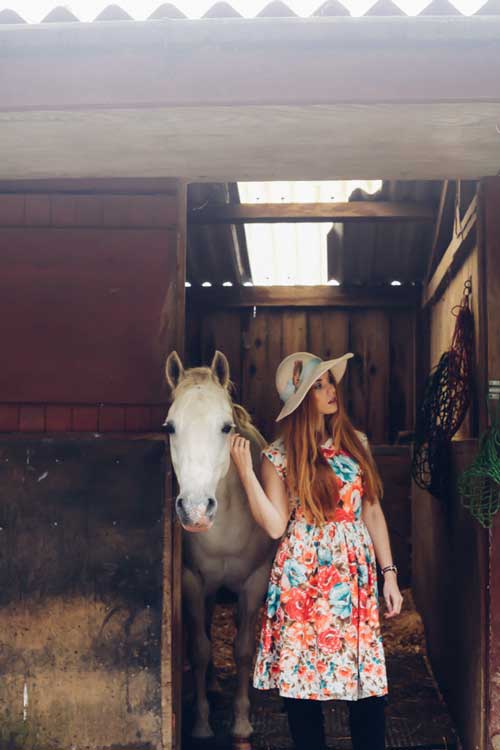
point(227, 428)
point(169, 427)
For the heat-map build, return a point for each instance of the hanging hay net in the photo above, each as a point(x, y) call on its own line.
point(479, 485)
point(445, 402)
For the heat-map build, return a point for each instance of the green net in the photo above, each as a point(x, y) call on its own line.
point(479, 485)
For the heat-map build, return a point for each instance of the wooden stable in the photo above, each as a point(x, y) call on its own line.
point(93, 246)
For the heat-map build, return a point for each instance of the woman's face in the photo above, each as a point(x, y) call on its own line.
point(325, 394)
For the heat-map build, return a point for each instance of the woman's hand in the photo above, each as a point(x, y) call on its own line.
point(240, 453)
point(392, 595)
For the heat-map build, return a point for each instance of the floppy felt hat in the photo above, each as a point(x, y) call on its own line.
point(297, 373)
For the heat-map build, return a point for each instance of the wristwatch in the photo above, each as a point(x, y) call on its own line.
point(389, 567)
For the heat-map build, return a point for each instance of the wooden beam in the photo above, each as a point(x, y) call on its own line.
point(444, 224)
point(457, 251)
point(262, 213)
point(304, 296)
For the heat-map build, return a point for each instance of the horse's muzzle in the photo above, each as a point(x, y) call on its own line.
point(196, 517)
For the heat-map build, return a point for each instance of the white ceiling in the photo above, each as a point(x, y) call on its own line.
point(256, 143)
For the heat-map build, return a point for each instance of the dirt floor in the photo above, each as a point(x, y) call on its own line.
point(417, 718)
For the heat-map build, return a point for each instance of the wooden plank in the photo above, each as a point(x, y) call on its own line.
point(58, 418)
point(328, 337)
point(32, 418)
point(458, 249)
point(172, 332)
point(491, 253)
point(111, 419)
point(263, 213)
point(221, 329)
point(401, 405)
point(85, 418)
point(294, 331)
point(304, 296)
point(97, 297)
point(9, 417)
point(444, 225)
point(38, 209)
point(137, 418)
point(370, 372)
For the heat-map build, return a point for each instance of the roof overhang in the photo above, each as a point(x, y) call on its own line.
point(252, 99)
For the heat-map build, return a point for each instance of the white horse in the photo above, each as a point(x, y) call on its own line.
point(231, 550)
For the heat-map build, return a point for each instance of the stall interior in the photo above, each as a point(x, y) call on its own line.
point(397, 260)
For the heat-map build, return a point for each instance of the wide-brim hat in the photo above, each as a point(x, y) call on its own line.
point(298, 372)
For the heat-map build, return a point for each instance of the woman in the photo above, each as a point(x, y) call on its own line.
point(320, 494)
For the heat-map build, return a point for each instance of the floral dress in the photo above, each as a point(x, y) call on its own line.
point(320, 635)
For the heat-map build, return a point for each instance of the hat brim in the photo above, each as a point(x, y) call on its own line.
point(337, 366)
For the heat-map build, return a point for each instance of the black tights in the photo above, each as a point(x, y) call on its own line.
point(366, 722)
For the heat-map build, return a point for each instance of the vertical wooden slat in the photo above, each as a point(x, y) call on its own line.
point(9, 418)
point(294, 331)
point(370, 372)
point(137, 418)
point(37, 210)
point(12, 210)
point(173, 330)
point(85, 419)
point(255, 381)
point(32, 419)
point(58, 418)
point(221, 329)
point(400, 406)
point(111, 419)
point(491, 250)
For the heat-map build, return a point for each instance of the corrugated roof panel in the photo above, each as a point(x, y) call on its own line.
point(222, 10)
point(332, 8)
point(30, 11)
point(293, 253)
point(378, 253)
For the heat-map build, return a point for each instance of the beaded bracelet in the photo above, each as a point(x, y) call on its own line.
point(389, 567)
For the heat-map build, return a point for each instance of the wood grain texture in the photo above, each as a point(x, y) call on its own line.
point(262, 213)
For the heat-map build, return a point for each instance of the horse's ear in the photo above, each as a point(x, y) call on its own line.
point(174, 369)
point(220, 368)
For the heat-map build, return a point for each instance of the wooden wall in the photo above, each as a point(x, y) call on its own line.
point(89, 281)
point(449, 561)
point(449, 579)
point(491, 241)
point(379, 383)
point(91, 301)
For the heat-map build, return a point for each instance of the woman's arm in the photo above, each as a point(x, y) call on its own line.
point(373, 516)
point(268, 502)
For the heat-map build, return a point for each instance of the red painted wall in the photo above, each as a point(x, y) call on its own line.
point(89, 303)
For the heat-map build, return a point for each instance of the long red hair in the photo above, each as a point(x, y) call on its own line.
point(308, 474)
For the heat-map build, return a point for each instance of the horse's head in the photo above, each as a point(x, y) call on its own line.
point(199, 423)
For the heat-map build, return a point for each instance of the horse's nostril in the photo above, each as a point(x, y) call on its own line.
point(179, 502)
point(210, 504)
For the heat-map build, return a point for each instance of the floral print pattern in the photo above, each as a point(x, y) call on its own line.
point(320, 636)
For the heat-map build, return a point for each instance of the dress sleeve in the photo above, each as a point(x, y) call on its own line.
point(276, 454)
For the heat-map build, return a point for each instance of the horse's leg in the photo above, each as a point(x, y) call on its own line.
point(213, 685)
point(249, 601)
point(200, 648)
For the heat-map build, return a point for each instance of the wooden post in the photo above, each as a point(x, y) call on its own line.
point(172, 652)
point(490, 192)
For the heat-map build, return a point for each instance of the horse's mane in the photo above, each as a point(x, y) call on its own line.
point(242, 419)
point(244, 423)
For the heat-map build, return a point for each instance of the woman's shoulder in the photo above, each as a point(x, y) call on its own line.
point(276, 454)
point(362, 438)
